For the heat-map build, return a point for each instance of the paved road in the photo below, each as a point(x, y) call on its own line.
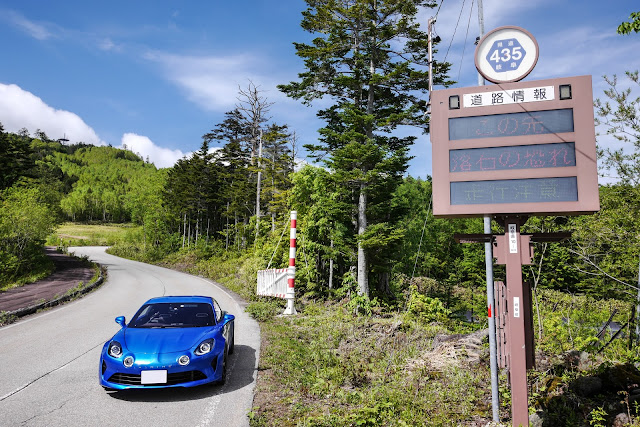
point(49, 361)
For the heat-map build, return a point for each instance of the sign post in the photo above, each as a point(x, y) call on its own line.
point(510, 151)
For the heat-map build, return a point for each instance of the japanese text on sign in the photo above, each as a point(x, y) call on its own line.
point(530, 190)
point(513, 157)
point(513, 239)
point(513, 96)
point(516, 306)
point(511, 124)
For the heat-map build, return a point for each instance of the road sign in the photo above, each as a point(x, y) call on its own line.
point(515, 148)
point(506, 54)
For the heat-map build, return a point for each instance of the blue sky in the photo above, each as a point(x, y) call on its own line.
point(157, 75)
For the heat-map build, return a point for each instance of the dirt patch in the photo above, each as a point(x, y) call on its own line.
point(450, 351)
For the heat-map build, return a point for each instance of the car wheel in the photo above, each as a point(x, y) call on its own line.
point(232, 341)
point(223, 378)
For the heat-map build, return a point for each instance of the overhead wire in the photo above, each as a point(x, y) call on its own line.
point(438, 11)
point(466, 37)
point(424, 226)
point(454, 31)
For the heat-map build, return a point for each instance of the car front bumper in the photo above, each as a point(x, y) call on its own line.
point(200, 370)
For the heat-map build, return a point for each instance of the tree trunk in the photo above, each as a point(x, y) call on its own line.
point(184, 229)
point(331, 267)
point(258, 188)
point(363, 279)
point(226, 239)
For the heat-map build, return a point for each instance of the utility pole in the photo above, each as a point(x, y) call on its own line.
point(488, 258)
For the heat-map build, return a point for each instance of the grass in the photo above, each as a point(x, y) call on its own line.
point(39, 269)
point(329, 368)
point(76, 234)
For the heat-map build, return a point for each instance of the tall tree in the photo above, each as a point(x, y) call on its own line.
point(254, 108)
point(16, 158)
point(370, 59)
point(238, 201)
point(620, 115)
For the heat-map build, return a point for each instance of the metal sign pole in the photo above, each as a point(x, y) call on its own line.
point(488, 254)
point(513, 251)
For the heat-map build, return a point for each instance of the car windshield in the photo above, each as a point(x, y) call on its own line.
point(173, 315)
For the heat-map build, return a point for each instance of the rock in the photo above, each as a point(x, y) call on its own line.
point(621, 420)
point(619, 377)
point(587, 386)
point(536, 420)
point(577, 360)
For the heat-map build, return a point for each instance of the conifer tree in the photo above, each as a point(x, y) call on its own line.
point(370, 59)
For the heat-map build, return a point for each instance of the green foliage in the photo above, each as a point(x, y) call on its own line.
point(16, 158)
point(75, 234)
point(333, 369)
point(265, 309)
point(571, 322)
point(598, 417)
point(107, 182)
point(25, 222)
point(424, 308)
point(633, 25)
point(605, 244)
point(620, 116)
point(373, 89)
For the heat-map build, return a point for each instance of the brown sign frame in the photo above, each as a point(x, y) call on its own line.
point(583, 135)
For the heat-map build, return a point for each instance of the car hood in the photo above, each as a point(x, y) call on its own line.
point(166, 340)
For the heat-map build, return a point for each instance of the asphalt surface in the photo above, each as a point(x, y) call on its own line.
point(49, 361)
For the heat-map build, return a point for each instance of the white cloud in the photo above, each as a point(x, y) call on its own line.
point(35, 30)
point(107, 44)
point(142, 145)
point(211, 82)
point(22, 109)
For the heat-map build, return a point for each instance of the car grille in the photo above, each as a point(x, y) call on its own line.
point(172, 379)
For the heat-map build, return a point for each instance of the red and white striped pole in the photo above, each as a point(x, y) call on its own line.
point(291, 273)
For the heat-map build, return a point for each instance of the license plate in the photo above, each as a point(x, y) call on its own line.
point(153, 377)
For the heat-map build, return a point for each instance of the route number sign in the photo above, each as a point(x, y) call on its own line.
point(506, 54)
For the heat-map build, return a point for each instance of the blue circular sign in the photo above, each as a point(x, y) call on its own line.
point(506, 54)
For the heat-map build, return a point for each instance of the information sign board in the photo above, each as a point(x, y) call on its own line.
point(536, 156)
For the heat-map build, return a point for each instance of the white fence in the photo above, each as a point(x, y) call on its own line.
point(273, 282)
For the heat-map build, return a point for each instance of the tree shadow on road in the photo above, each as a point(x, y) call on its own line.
point(240, 373)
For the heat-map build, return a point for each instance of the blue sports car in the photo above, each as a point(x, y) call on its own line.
point(177, 341)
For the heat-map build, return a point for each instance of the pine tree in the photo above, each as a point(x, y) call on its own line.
point(370, 58)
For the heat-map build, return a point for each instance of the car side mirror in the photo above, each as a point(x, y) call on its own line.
point(120, 320)
point(226, 317)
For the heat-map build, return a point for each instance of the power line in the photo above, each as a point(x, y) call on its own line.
point(466, 37)
point(438, 11)
point(454, 31)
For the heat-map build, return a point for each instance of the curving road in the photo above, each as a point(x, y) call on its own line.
point(49, 361)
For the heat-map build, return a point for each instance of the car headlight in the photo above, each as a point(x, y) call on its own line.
point(204, 347)
point(183, 360)
point(128, 361)
point(115, 349)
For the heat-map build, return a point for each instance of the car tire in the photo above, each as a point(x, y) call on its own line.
point(223, 378)
point(232, 340)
